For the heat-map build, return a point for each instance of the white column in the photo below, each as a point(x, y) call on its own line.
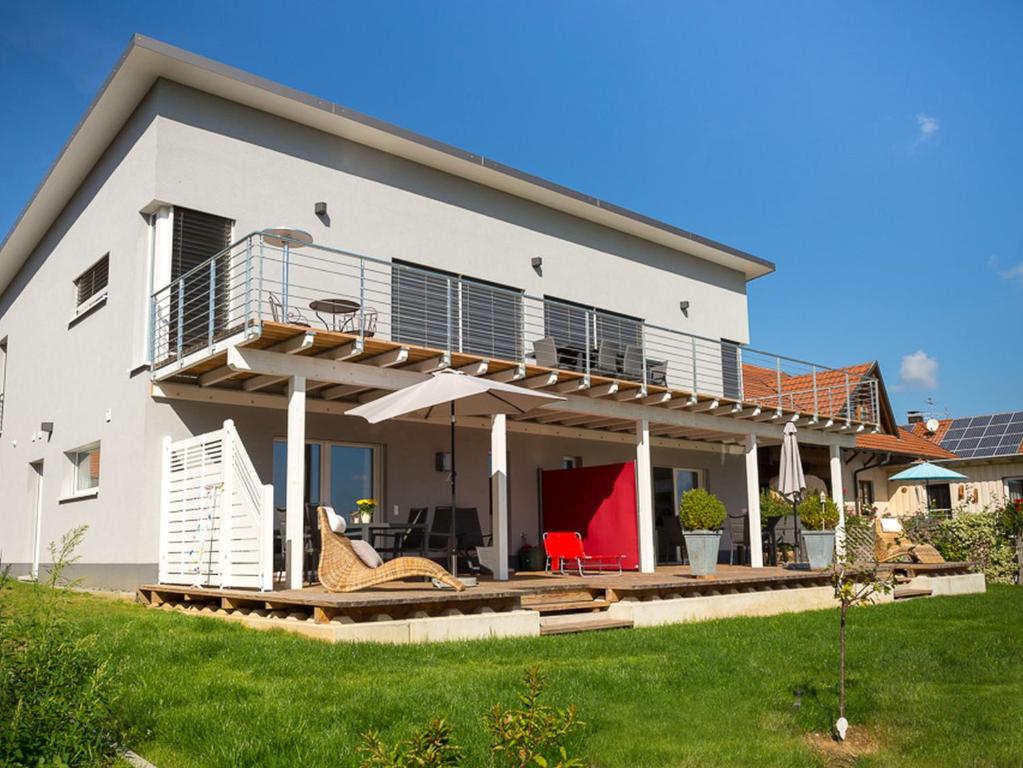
point(756, 546)
point(295, 497)
point(838, 496)
point(644, 498)
point(499, 491)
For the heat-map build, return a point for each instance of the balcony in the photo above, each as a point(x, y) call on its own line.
point(268, 288)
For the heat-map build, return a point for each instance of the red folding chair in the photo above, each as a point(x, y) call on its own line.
point(567, 546)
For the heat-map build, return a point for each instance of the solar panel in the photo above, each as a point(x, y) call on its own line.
point(998, 434)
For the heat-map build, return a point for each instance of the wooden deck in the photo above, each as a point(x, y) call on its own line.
point(545, 593)
point(208, 372)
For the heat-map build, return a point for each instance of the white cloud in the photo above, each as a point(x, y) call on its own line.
point(918, 371)
point(1013, 273)
point(927, 128)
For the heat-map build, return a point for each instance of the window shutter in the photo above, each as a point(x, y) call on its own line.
point(93, 280)
point(198, 237)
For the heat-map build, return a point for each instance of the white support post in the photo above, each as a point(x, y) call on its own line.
point(226, 510)
point(499, 491)
point(838, 496)
point(756, 546)
point(295, 497)
point(163, 569)
point(644, 497)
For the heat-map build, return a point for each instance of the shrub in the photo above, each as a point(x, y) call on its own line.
point(772, 505)
point(818, 512)
point(978, 537)
point(430, 748)
point(57, 696)
point(532, 735)
point(699, 510)
point(535, 733)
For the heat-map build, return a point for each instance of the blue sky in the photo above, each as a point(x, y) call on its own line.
point(872, 150)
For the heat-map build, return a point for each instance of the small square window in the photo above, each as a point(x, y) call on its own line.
point(84, 468)
point(91, 285)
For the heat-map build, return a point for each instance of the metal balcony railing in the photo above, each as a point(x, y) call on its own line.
point(252, 281)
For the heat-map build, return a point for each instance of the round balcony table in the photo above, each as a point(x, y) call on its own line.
point(343, 308)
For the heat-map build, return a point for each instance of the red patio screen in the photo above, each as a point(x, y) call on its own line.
point(600, 503)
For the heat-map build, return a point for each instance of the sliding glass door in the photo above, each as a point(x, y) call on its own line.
point(337, 474)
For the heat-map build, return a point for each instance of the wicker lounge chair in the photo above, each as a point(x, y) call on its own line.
point(892, 545)
point(341, 570)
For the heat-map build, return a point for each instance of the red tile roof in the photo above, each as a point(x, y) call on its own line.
point(920, 429)
point(761, 384)
point(907, 443)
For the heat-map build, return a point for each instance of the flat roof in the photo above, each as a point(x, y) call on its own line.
point(145, 60)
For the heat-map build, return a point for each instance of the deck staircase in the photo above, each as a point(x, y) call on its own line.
point(568, 611)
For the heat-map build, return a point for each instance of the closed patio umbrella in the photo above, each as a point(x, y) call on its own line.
point(925, 472)
point(791, 481)
point(445, 396)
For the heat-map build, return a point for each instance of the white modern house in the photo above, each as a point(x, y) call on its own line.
point(217, 268)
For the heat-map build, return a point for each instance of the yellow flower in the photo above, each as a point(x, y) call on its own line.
point(366, 503)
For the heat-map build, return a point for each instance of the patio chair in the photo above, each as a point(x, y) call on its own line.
point(607, 357)
point(546, 352)
point(567, 546)
point(738, 533)
point(293, 316)
point(892, 545)
point(369, 322)
point(468, 534)
point(342, 570)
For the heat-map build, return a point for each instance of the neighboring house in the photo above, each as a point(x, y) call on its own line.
point(987, 449)
point(145, 302)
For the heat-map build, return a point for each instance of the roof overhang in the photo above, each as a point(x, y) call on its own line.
point(146, 60)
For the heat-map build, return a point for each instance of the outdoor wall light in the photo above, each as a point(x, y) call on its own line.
point(537, 262)
point(684, 306)
point(320, 209)
point(442, 462)
point(47, 427)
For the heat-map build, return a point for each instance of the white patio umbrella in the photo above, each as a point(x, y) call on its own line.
point(445, 396)
point(791, 481)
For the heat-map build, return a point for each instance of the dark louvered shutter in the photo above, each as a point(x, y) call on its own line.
point(198, 237)
point(93, 280)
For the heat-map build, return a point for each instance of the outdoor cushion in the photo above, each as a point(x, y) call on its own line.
point(367, 554)
point(337, 522)
point(891, 525)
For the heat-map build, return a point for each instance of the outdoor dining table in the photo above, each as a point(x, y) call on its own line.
point(369, 532)
point(346, 308)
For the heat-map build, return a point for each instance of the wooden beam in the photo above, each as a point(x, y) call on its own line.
point(540, 381)
point(341, 352)
point(573, 385)
point(294, 345)
point(477, 368)
point(706, 405)
point(748, 413)
point(633, 393)
point(657, 399)
point(509, 374)
point(731, 409)
point(430, 364)
point(602, 390)
point(234, 397)
point(331, 371)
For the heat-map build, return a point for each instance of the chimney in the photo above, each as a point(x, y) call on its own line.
point(915, 417)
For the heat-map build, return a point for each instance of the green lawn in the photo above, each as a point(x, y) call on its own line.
point(937, 681)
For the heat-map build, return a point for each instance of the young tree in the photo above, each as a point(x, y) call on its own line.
point(855, 585)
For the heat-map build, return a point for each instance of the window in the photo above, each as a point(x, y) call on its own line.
point(337, 474)
point(1014, 488)
point(865, 492)
point(84, 465)
point(198, 237)
point(939, 497)
point(571, 462)
point(91, 285)
point(577, 327)
point(731, 371)
point(484, 318)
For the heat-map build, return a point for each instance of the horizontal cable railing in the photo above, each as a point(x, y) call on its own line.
point(261, 279)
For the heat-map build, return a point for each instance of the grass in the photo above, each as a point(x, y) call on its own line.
point(937, 682)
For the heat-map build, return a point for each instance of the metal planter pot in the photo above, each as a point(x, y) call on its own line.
point(702, 547)
point(820, 548)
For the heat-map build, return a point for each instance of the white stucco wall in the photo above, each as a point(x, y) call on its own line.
point(190, 149)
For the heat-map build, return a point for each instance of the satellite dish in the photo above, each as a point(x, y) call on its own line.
point(932, 425)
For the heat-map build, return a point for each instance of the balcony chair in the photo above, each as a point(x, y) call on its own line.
point(567, 546)
point(608, 354)
point(343, 570)
point(293, 316)
point(546, 352)
point(738, 533)
point(368, 320)
point(632, 367)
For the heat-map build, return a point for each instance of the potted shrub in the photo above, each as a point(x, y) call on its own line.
point(819, 516)
point(701, 514)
